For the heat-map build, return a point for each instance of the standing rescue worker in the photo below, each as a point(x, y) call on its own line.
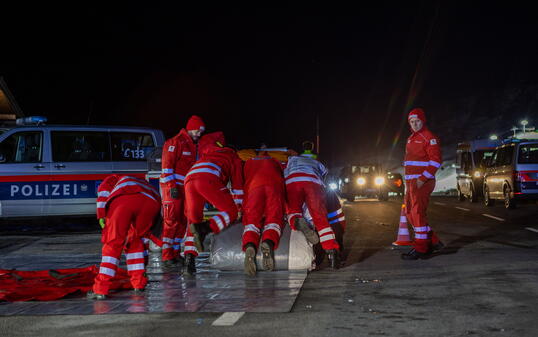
point(422, 159)
point(304, 185)
point(127, 208)
point(179, 154)
point(206, 181)
point(263, 208)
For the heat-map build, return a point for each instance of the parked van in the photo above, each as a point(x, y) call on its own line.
point(471, 160)
point(48, 170)
point(512, 173)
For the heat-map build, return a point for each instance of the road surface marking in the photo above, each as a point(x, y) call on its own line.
point(440, 203)
point(228, 319)
point(531, 229)
point(463, 209)
point(493, 217)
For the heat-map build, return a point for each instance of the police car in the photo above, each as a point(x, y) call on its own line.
point(48, 170)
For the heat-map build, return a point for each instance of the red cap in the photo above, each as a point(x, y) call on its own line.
point(417, 113)
point(195, 123)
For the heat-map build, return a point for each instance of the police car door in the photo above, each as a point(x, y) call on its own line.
point(24, 173)
point(130, 151)
point(80, 161)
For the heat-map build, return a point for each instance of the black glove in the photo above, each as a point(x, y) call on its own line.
point(174, 193)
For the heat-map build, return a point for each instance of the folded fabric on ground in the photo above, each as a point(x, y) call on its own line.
point(53, 284)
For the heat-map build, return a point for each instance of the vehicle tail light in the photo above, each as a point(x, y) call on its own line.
point(522, 176)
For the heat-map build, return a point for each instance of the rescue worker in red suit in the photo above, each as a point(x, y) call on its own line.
point(129, 206)
point(337, 221)
point(179, 154)
point(304, 185)
point(422, 159)
point(263, 208)
point(205, 182)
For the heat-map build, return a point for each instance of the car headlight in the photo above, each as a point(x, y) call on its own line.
point(333, 186)
point(379, 181)
point(346, 180)
point(361, 181)
point(477, 174)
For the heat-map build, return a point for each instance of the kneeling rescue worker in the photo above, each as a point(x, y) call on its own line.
point(263, 208)
point(422, 159)
point(304, 185)
point(127, 207)
point(206, 181)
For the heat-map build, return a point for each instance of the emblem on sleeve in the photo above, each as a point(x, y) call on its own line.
point(171, 148)
point(433, 142)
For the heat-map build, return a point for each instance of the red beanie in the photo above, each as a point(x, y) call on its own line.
point(417, 113)
point(195, 123)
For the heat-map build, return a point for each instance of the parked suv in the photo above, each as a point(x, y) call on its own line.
point(512, 173)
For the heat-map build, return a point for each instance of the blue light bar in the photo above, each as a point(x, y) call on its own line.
point(33, 120)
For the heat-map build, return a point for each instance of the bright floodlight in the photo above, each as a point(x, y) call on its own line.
point(493, 137)
point(333, 186)
point(361, 181)
point(379, 181)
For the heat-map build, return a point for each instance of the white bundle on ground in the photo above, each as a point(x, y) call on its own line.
point(293, 253)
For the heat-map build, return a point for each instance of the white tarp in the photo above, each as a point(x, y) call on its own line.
point(293, 253)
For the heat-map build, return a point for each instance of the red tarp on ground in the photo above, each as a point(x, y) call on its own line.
point(47, 285)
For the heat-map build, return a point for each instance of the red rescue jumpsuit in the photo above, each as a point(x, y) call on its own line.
point(264, 197)
point(304, 184)
point(179, 154)
point(335, 216)
point(207, 180)
point(130, 206)
point(422, 159)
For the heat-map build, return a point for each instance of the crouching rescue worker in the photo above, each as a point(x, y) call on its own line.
point(422, 159)
point(206, 182)
point(179, 154)
point(304, 185)
point(263, 208)
point(127, 207)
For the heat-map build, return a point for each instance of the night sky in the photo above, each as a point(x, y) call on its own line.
point(263, 75)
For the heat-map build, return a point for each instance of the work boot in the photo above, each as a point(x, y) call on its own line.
point(199, 231)
point(189, 267)
point(310, 235)
point(94, 296)
point(169, 264)
point(438, 246)
point(414, 255)
point(250, 260)
point(267, 247)
point(334, 258)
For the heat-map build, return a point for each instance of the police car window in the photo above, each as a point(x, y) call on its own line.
point(76, 146)
point(528, 154)
point(22, 147)
point(129, 146)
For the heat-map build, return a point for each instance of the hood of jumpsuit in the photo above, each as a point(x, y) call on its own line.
point(210, 142)
point(417, 113)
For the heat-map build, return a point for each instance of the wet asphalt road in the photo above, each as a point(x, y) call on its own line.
point(484, 283)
